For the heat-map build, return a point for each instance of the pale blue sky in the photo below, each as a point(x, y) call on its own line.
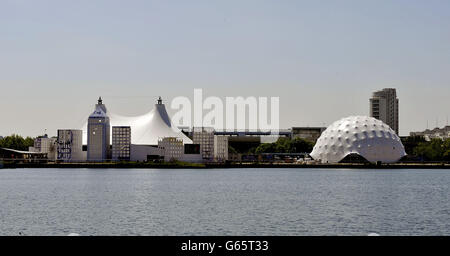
point(322, 58)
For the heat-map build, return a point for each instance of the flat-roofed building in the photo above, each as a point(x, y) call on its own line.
point(220, 148)
point(307, 133)
point(436, 133)
point(44, 144)
point(121, 143)
point(70, 146)
point(171, 148)
point(204, 136)
point(212, 147)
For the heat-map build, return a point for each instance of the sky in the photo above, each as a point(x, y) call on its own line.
point(323, 59)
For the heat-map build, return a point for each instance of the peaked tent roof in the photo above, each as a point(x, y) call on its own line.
point(149, 128)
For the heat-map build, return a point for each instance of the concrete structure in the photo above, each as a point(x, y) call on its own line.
point(212, 147)
point(192, 153)
point(141, 153)
point(220, 148)
point(436, 133)
point(384, 107)
point(171, 148)
point(99, 129)
point(244, 140)
point(70, 146)
point(307, 133)
point(121, 143)
point(358, 135)
point(204, 136)
point(44, 144)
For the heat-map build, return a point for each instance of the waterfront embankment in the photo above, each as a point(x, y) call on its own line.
point(183, 165)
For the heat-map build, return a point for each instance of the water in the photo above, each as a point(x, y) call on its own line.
point(224, 202)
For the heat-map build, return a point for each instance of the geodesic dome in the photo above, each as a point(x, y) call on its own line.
point(362, 135)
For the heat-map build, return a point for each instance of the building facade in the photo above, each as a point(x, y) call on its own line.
point(212, 147)
point(171, 148)
point(436, 133)
point(220, 148)
point(98, 136)
point(204, 136)
point(70, 145)
point(384, 106)
point(307, 133)
point(121, 143)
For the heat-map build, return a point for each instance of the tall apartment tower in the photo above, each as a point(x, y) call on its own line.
point(99, 130)
point(384, 107)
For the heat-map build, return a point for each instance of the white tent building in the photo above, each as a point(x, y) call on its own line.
point(360, 135)
point(147, 130)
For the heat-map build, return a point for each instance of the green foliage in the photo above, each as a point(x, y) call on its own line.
point(434, 150)
point(286, 145)
point(411, 142)
point(16, 142)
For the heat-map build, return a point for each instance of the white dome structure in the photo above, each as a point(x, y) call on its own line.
point(361, 135)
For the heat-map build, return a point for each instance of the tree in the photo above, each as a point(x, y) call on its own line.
point(434, 150)
point(286, 145)
point(302, 146)
point(411, 142)
point(16, 142)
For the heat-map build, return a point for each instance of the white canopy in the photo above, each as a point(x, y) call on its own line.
point(148, 128)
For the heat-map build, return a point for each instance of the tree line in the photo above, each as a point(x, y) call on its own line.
point(282, 145)
point(417, 148)
point(434, 150)
point(16, 142)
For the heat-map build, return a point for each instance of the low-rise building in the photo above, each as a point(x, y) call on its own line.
point(436, 133)
point(212, 147)
point(204, 136)
point(44, 144)
point(70, 146)
point(307, 133)
point(143, 153)
point(121, 143)
point(220, 148)
point(22, 156)
point(171, 148)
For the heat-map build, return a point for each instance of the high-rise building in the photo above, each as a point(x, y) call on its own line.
point(98, 137)
point(384, 107)
point(70, 145)
point(121, 143)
